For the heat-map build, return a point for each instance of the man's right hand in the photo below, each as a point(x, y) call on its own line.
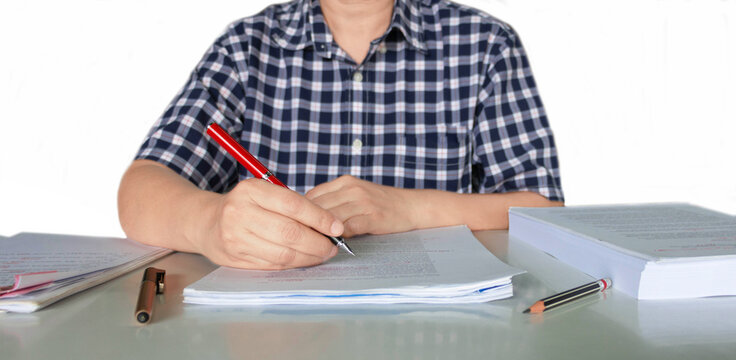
point(257, 225)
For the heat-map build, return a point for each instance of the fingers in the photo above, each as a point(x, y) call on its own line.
point(333, 200)
point(357, 217)
point(350, 200)
point(285, 233)
point(364, 207)
point(273, 256)
point(330, 186)
point(264, 226)
point(251, 262)
point(243, 249)
point(345, 189)
point(344, 207)
point(265, 243)
point(292, 205)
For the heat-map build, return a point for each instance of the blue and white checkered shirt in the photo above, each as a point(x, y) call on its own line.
point(445, 99)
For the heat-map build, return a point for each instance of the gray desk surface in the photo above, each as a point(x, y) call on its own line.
point(99, 324)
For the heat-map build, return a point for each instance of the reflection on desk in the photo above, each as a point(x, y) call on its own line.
point(677, 322)
point(439, 331)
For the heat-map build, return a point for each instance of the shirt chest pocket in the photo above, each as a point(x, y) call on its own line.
point(436, 158)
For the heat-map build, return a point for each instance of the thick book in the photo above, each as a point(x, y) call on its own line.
point(650, 251)
point(436, 266)
point(37, 270)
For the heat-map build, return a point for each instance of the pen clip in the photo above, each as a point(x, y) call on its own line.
point(160, 281)
point(156, 276)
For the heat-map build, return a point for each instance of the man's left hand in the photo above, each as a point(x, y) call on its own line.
point(365, 207)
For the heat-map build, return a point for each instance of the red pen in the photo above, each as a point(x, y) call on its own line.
point(256, 168)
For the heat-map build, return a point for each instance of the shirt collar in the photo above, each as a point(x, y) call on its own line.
point(301, 24)
point(408, 19)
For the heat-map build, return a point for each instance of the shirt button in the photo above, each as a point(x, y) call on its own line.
point(357, 76)
point(357, 144)
point(382, 48)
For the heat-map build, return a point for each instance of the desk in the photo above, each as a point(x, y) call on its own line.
point(99, 324)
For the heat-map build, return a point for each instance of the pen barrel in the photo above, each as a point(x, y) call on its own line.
point(270, 177)
point(144, 308)
point(238, 152)
point(333, 240)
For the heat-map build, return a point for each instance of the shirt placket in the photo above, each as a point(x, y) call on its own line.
point(357, 78)
point(361, 110)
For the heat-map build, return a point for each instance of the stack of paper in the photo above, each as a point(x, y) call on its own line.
point(442, 266)
point(39, 269)
point(650, 251)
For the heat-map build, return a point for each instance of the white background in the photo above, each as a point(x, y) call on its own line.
point(640, 95)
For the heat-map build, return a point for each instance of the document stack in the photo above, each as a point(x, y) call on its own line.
point(435, 266)
point(650, 251)
point(39, 269)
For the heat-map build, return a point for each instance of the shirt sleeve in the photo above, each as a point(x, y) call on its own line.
point(214, 92)
point(514, 145)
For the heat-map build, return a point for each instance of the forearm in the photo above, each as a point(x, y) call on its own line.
point(368, 208)
point(432, 208)
point(158, 207)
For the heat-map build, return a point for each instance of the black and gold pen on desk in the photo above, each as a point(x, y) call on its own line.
point(571, 295)
point(151, 285)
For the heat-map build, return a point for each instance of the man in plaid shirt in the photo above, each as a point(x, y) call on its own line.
point(388, 115)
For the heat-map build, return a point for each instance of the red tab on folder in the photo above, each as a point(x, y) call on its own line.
point(30, 281)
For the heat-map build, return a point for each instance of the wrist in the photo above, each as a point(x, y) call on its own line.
point(197, 215)
point(433, 208)
point(414, 208)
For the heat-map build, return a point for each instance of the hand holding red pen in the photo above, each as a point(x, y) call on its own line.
point(254, 226)
point(260, 226)
point(258, 170)
point(284, 208)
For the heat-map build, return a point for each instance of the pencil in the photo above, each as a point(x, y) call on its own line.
point(568, 296)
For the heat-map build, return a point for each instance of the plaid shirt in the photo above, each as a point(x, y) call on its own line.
point(445, 99)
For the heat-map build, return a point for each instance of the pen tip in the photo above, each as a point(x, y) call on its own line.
point(527, 311)
point(347, 248)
